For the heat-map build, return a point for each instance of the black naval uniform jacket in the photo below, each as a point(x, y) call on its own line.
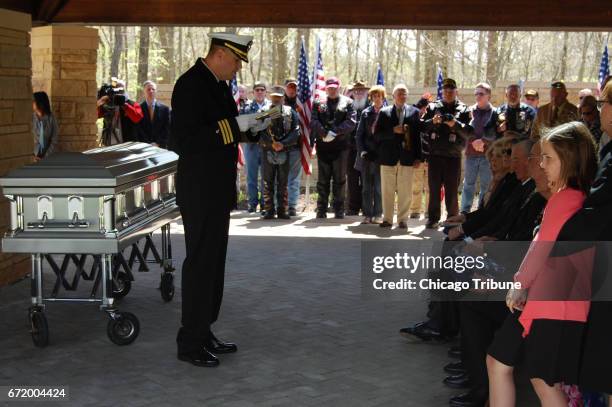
point(205, 135)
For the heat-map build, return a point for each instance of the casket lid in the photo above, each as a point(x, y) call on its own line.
point(104, 167)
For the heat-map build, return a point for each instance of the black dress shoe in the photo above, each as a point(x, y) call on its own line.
point(251, 209)
point(292, 212)
point(421, 332)
point(415, 216)
point(470, 399)
point(283, 215)
point(218, 346)
point(454, 368)
point(339, 215)
point(321, 215)
point(454, 352)
point(402, 225)
point(352, 213)
point(460, 381)
point(202, 358)
point(268, 215)
point(385, 224)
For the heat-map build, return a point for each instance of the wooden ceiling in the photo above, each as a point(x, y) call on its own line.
point(595, 15)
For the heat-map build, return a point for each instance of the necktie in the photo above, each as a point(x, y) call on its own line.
point(152, 111)
point(554, 116)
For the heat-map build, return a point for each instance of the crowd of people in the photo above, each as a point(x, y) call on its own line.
point(544, 187)
point(543, 173)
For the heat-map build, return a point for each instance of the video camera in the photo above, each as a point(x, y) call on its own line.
point(116, 95)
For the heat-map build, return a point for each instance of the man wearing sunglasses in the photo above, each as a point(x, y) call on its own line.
point(483, 121)
point(513, 115)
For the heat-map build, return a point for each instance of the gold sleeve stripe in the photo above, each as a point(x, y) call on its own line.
point(230, 135)
point(223, 131)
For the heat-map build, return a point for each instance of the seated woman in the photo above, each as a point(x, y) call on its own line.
point(548, 333)
point(44, 126)
point(502, 182)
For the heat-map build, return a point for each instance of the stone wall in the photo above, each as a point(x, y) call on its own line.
point(16, 139)
point(64, 65)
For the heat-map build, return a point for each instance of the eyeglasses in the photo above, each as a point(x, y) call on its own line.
point(600, 103)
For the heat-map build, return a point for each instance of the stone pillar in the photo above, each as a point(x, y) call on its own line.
point(16, 140)
point(64, 65)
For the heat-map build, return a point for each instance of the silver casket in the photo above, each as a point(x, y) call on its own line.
point(99, 201)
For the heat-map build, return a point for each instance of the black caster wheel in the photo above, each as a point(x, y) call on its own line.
point(123, 328)
point(121, 285)
point(39, 328)
point(166, 286)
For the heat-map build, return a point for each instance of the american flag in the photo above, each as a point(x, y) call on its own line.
point(319, 78)
point(440, 81)
point(236, 95)
point(304, 102)
point(604, 68)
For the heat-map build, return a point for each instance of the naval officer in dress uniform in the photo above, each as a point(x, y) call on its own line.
point(205, 135)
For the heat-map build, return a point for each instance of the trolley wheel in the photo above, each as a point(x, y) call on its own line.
point(121, 285)
point(166, 286)
point(39, 327)
point(123, 328)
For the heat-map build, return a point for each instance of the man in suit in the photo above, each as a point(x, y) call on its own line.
point(399, 151)
point(557, 112)
point(154, 128)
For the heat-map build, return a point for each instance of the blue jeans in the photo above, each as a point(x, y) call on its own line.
point(475, 167)
point(252, 158)
point(371, 204)
point(295, 175)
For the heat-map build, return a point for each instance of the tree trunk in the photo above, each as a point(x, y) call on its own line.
point(563, 70)
point(492, 54)
point(166, 38)
point(586, 39)
point(280, 43)
point(261, 54)
point(116, 56)
point(181, 68)
point(529, 53)
point(357, 48)
point(429, 72)
point(143, 59)
point(481, 46)
point(463, 59)
point(417, 59)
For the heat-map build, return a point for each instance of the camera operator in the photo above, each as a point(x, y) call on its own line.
point(446, 124)
point(120, 114)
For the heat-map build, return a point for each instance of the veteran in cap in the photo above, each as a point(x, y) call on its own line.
point(557, 112)
point(205, 135)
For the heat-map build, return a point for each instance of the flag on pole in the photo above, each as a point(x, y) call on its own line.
point(380, 79)
point(440, 81)
point(236, 95)
point(304, 102)
point(604, 68)
point(319, 78)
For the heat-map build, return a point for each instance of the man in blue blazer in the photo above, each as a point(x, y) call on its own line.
point(399, 151)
